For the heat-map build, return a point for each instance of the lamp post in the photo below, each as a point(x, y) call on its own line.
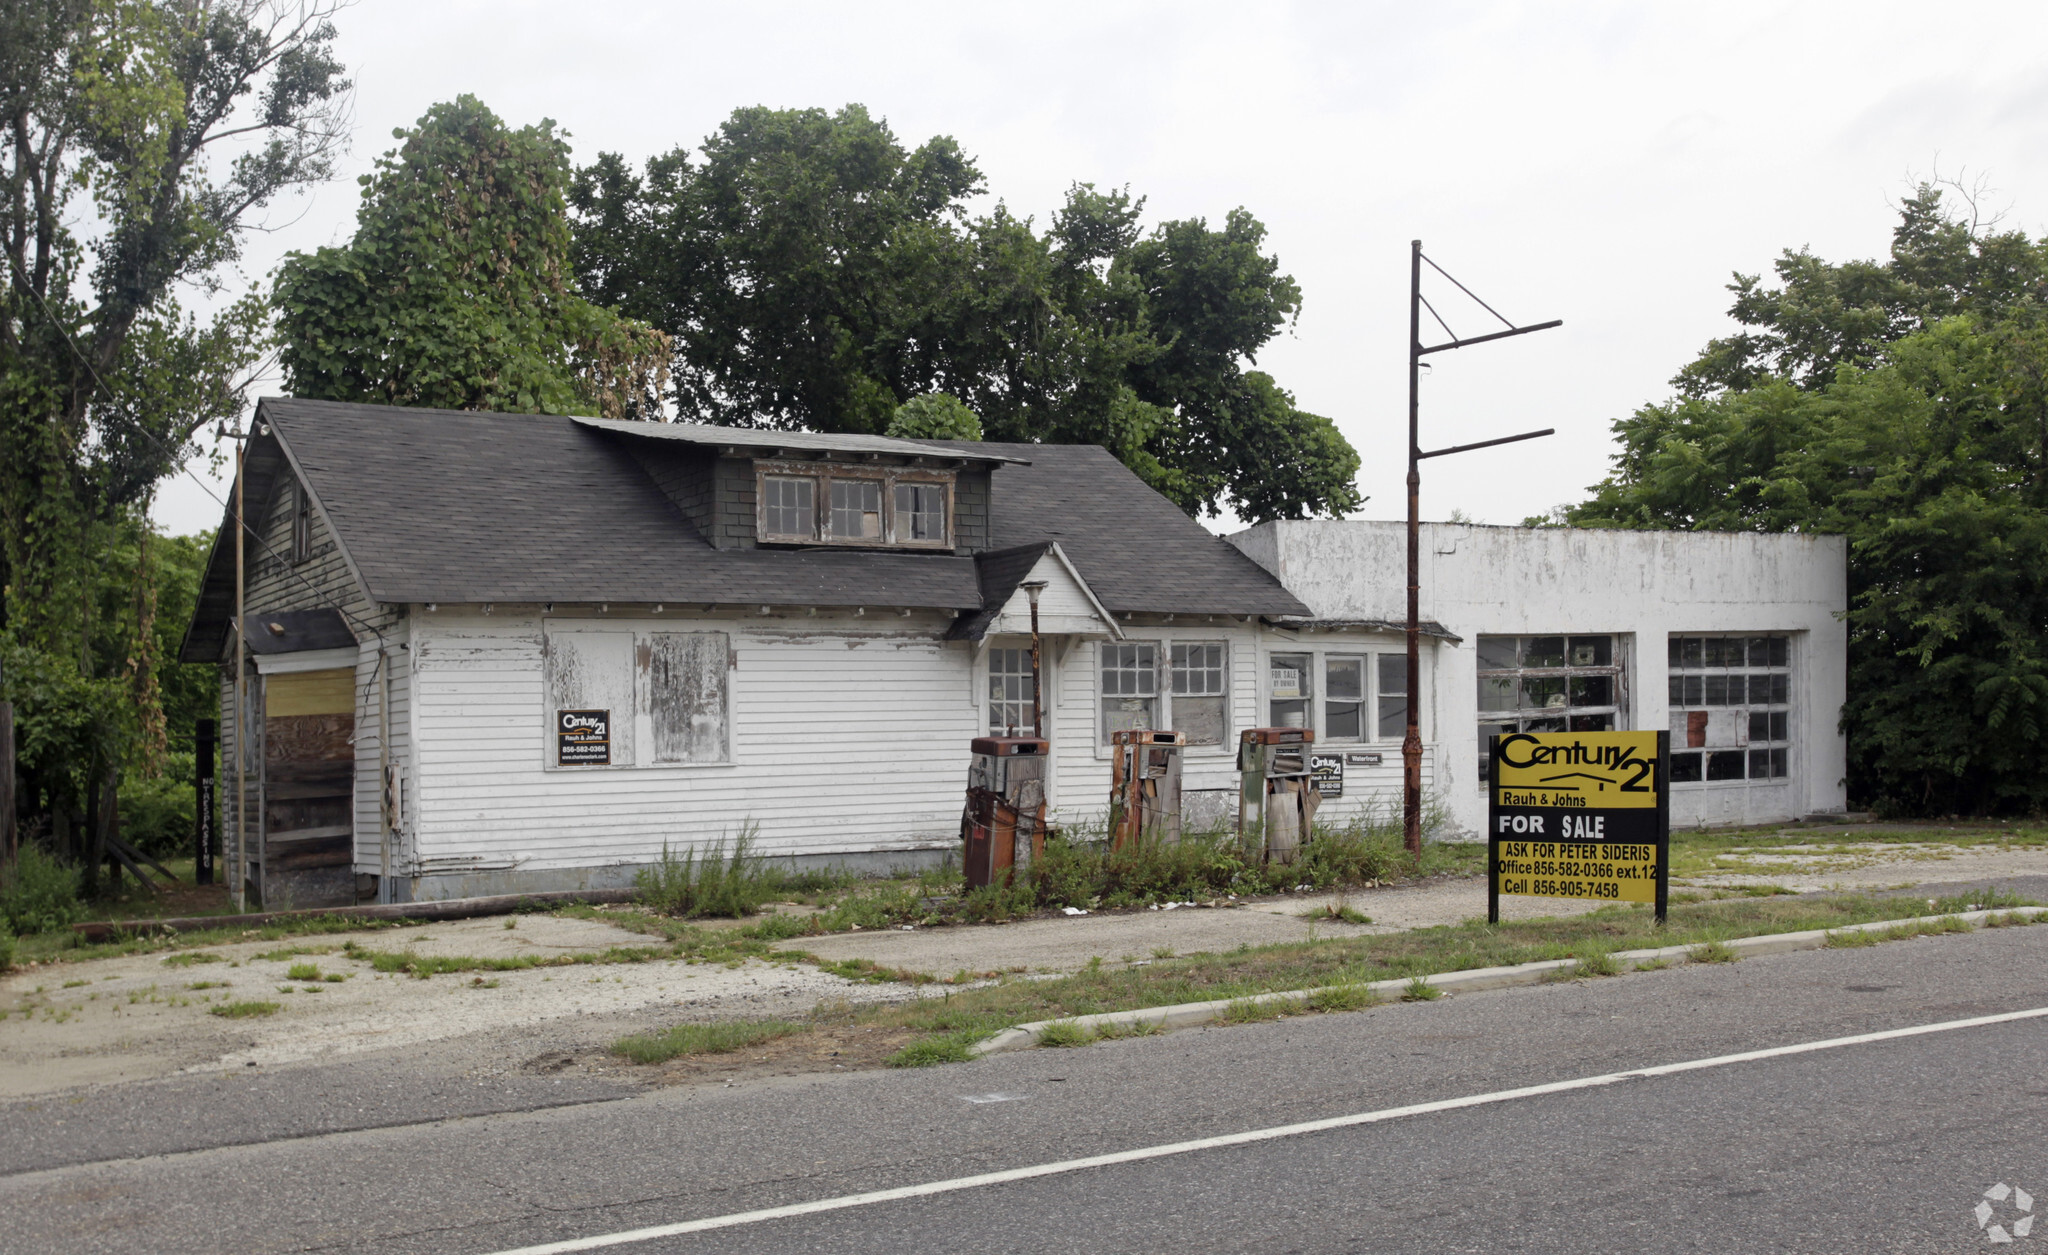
point(1411, 743)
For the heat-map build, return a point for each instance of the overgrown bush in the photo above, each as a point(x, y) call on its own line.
point(6, 950)
point(157, 812)
point(689, 886)
point(38, 893)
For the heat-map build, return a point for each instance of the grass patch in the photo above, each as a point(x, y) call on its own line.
point(1418, 989)
point(1342, 998)
point(1361, 960)
point(1598, 963)
point(934, 1050)
point(303, 971)
point(1064, 1033)
point(190, 957)
point(1852, 939)
point(248, 1010)
point(208, 984)
point(1713, 952)
point(421, 967)
point(1253, 1011)
point(702, 1039)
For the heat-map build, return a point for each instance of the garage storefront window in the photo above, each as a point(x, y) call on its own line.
point(1547, 684)
point(1731, 708)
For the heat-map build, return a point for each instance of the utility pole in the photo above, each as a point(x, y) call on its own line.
point(241, 864)
point(1411, 744)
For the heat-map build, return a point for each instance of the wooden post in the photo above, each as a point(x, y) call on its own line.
point(203, 742)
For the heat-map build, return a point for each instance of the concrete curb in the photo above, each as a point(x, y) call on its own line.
point(1192, 1014)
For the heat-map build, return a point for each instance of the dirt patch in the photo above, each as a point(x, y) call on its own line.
point(1868, 865)
point(836, 1048)
point(137, 1016)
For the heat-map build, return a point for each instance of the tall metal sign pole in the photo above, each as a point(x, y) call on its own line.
point(1411, 744)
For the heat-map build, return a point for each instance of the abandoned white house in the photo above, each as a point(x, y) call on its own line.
point(499, 652)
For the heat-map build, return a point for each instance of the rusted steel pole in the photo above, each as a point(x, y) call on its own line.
point(1411, 743)
point(240, 869)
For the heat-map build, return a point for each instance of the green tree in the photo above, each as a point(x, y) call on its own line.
point(935, 416)
point(816, 273)
point(1925, 442)
point(142, 140)
point(455, 292)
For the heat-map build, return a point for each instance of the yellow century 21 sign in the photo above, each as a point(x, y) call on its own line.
point(1579, 815)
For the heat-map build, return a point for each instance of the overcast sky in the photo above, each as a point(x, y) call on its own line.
point(1607, 164)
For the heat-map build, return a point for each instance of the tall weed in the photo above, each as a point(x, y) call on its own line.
point(39, 893)
point(716, 884)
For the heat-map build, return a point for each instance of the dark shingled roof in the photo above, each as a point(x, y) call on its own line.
point(295, 631)
point(449, 505)
point(1134, 547)
point(1001, 571)
point(463, 507)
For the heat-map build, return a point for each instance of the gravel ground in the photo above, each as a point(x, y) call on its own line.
point(126, 1019)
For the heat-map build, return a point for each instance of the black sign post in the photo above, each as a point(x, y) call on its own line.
point(1579, 815)
point(203, 742)
point(583, 738)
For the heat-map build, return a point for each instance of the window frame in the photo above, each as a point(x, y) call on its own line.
point(1780, 749)
point(1616, 669)
point(1162, 695)
point(822, 475)
point(1367, 649)
point(636, 737)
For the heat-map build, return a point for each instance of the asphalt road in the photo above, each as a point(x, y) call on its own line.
point(1878, 1147)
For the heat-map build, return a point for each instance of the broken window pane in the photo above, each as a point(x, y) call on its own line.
point(1592, 690)
point(1591, 651)
point(1685, 768)
point(857, 509)
point(1130, 687)
point(1199, 691)
point(1543, 651)
point(1724, 765)
point(921, 512)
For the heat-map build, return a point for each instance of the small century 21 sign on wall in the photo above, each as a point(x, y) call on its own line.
point(583, 738)
point(1579, 815)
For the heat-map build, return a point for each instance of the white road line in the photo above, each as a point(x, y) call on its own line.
point(930, 1188)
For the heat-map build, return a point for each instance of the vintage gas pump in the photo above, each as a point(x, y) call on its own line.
point(1144, 786)
point(1277, 798)
point(1003, 828)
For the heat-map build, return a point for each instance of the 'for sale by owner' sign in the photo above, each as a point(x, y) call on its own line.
point(1579, 815)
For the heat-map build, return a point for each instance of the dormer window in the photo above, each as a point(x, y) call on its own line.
point(872, 506)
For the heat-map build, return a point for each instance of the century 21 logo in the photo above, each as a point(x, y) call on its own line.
point(1524, 751)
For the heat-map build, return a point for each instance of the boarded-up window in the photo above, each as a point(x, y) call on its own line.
point(686, 695)
point(587, 671)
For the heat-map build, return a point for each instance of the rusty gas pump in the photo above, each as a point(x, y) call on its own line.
point(1144, 786)
point(1277, 796)
point(1003, 827)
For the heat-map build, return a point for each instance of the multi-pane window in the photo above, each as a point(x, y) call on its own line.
point(1009, 692)
point(921, 512)
point(857, 509)
point(1200, 691)
point(1393, 696)
point(837, 505)
point(787, 507)
point(1546, 684)
point(1290, 690)
point(1731, 708)
point(1130, 687)
point(1344, 698)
